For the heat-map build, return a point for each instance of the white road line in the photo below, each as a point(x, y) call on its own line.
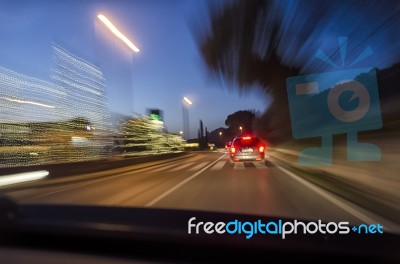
point(201, 165)
point(161, 168)
point(152, 202)
point(332, 198)
point(219, 165)
point(182, 166)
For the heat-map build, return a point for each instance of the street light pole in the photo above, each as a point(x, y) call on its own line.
point(113, 29)
point(185, 114)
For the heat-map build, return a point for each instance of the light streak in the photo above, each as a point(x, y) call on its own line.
point(26, 102)
point(187, 100)
point(22, 177)
point(116, 32)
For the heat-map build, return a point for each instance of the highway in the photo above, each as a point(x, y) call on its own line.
point(200, 181)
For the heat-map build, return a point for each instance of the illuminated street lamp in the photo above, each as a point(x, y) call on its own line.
point(119, 35)
point(220, 138)
point(116, 32)
point(187, 100)
point(185, 114)
point(241, 130)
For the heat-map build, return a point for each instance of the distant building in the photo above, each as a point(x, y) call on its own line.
point(63, 120)
point(84, 86)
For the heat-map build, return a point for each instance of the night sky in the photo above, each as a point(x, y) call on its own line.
point(169, 66)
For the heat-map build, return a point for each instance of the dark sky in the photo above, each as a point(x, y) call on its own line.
point(169, 66)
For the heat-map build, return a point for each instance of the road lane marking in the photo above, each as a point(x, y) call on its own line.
point(333, 199)
point(182, 166)
point(158, 198)
point(201, 165)
point(219, 165)
point(161, 168)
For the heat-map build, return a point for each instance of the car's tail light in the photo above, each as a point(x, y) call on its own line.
point(246, 138)
point(261, 149)
point(233, 150)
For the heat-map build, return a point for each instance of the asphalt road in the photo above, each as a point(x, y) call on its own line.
point(203, 181)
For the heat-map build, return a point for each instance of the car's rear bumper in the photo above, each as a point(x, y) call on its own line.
point(239, 158)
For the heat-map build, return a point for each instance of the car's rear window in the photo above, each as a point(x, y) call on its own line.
point(247, 142)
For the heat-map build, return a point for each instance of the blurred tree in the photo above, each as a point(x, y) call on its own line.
point(146, 136)
point(260, 43)
point(220, 136)
point(239, 119)
point(242, 46)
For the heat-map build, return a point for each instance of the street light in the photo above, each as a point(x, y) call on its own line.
point(241, 130)
point(119, 35)
point(187, 100)
point(116, 32)
point(185, 114)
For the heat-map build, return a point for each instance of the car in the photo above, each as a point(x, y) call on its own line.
point(247, 148)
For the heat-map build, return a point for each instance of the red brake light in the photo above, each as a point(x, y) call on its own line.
point(233, 150)
point(261, 149)
point(246, 138)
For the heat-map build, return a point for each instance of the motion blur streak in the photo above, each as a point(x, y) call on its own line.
point(117, 32)
point(78, 126)
point(26, 102)
point(187, 100)
point(22, 177)
point(145, 136)
point(41, 120)
point(263, 43)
